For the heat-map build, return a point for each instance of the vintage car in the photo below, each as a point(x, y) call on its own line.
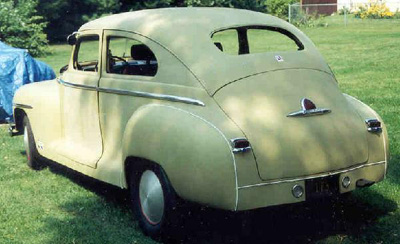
point(227, 108)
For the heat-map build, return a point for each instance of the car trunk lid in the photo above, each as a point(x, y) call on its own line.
point(287, 147)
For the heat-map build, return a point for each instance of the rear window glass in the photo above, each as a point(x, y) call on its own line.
point(248, 40)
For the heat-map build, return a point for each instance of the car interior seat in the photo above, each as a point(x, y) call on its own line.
point(142, 53)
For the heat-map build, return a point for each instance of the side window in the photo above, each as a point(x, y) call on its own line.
point(227, 41)
point(87, 53)
point(262, 40)
point(255, 39)
point(128, 56)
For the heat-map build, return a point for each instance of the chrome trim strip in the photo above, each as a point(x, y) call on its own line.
point(313, 176)
point(19, 105)
point(170, 98)
point(309, 112)
point(239, 150)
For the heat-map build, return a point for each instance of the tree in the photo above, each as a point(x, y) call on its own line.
point(21, 27)
point(66, 16)
point(255, 5)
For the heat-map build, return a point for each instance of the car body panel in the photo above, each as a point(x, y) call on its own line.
point(258, 196)
point(285, 146)
point(196, 49)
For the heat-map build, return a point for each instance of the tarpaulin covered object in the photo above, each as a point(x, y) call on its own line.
point(18, 68)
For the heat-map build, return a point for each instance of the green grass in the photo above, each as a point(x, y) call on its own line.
point(55, 206)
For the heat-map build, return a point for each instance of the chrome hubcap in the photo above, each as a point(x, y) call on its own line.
point(151, 197)
point(26, 142)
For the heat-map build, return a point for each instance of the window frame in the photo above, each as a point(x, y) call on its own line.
point(106, 45)
point(77, 47)
point(243, 41)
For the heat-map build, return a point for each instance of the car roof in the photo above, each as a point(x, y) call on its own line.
point(186, 32)
point(166, 20)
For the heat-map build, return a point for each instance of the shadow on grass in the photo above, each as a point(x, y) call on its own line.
point(108, 219)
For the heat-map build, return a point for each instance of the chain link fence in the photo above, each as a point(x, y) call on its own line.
point(313, 14)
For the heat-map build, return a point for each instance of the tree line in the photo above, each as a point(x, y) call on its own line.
point(31, 24)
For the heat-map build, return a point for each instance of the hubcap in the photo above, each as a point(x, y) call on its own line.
point(151, 197)
point(26, 142)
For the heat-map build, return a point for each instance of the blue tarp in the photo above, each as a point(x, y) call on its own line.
point(18, 68)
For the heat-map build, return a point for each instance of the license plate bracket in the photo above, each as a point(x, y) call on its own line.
point(322, 187)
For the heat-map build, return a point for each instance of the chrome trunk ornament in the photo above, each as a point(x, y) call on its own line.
point(308, 109)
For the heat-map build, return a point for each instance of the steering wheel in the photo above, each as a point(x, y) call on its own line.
point(124, 62)
point(121, 59)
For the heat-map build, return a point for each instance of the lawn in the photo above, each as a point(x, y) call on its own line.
point(56, 205)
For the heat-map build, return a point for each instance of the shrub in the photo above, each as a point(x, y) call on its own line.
point(20, 26)
point(310, 20)
point(374, 10)
point(255, 5)
point(279, 8)
point(344, 10)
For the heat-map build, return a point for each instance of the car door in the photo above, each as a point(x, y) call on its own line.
point(136, 72)
point(82, 141)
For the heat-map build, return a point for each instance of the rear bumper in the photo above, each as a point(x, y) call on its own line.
point(280, 192)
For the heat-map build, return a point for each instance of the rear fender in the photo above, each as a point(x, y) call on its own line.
point(195, 154)
point(378, 143)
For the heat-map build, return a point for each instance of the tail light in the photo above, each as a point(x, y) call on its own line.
point(373, 125)
point(240, 145)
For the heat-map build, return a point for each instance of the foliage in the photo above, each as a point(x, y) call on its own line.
point(303, 18)
point(374, 10)
point(127, 5)
point(21, 27)
point(309, 20)
point(255, 5)
point(66, 16)
point(344, 10)
point(279, 8)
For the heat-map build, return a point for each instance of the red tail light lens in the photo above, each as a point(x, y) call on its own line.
point(307, 104)
point(373, 125)
point(240, 145)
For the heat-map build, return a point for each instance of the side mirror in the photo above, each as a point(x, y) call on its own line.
point(71, 39)
point(63, 69)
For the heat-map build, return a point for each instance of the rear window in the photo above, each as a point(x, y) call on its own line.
point(254, 39)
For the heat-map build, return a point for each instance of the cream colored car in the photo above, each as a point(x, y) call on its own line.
point(228, 108)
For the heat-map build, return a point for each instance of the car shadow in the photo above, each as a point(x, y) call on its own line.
point(296, 223)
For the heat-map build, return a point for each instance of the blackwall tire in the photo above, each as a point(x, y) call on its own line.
point(154, 201)
point(33, 158)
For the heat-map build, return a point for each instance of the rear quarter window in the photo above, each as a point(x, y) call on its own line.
point(255, 39)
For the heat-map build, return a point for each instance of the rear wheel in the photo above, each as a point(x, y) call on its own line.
point(154, 201)
point(32, 154)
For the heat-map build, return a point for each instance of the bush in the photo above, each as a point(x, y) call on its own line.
point(255, 5)
point(66, 16)
point(20, 26)
point(344, 10)
point(279, 8)
point(374, 10)
point(309, 20)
